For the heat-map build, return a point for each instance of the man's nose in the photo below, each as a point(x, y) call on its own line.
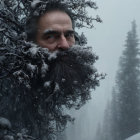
point(63, 43)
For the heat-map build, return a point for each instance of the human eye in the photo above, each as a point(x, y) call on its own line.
point(50, 38)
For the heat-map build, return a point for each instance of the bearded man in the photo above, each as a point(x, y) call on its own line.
point(51, 74)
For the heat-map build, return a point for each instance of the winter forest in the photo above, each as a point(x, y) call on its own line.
point(89, 92)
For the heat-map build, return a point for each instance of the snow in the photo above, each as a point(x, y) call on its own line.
point(1, 29)
point(6, 41)
point(13, 33)
point(47, 84)
point(33, 50)
point(52, 55)
point(4, 123)
point(1, 5)
point(75, 82)
point(34, 3)
point(8, 137)
point(16, 73)
point(57, 88)
point(63, 79)
point(44, 69)
point(31, 67)
point(45, 50)
point(134, 137)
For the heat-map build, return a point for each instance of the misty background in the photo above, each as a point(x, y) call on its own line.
point(108, 39)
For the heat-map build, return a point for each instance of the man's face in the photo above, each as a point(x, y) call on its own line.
point(55, 31)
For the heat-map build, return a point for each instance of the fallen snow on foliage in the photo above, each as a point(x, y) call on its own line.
point(31, 67)
point(8, 137)
point(4, 123)
point(1, 29)
point(134, 137)
point(63, 79)
point(47, 84)
point(33, 50)
point(57, 87)
point(34, 3)
point(16, 73)
point(52, 55)
point(44, 69)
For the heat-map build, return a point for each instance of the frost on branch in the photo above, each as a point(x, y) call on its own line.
point(7, 133)
point(4, 123)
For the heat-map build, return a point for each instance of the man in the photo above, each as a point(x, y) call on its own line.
point(54, 29)
point(51, 73)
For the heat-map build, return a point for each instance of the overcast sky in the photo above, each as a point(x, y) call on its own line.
point(108, 39)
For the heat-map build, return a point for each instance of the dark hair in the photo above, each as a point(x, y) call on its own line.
point(32, 22)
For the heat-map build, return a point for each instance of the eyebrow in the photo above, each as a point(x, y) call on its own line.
point(69, 31)
point(48, 32)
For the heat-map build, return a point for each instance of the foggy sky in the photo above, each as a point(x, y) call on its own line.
point(108, 39)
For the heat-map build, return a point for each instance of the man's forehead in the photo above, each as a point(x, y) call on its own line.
point(58, 13)
point(55, 22)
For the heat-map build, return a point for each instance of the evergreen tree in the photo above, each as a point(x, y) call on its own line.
point(114, 116)
point(122, 114)
point(126, 97)
point(99, 133)
point(104, 131)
